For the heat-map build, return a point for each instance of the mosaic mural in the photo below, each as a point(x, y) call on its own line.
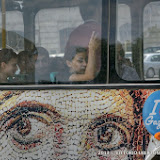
point(72, 124)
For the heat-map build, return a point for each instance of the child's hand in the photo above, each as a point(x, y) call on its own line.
point(94, 43)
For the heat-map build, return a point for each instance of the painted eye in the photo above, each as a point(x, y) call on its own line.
point(109, 133)
point(29, 126)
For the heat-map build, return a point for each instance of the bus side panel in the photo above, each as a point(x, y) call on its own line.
point(73, 124)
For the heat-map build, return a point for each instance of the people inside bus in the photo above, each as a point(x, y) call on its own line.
point(91, 14)
point(75, 62)
point(8, 65)
point(42, 65)
point(43, 71)
point(125, 69)
point(26, 63)
point(80, 62)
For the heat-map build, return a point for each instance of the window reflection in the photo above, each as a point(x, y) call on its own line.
point(125, 68)
point(57, 31)
point(81, 25)
point(151, 41)
point(124, 64)
point(14, 30)
point(42, 66)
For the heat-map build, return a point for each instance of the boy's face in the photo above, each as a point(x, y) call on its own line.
point(78, 63)
point(10, 67)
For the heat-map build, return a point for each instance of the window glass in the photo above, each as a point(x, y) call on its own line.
point(154, 58)
point(124, 65)
point(70, 38)
point(52, 32)
point(151, 35)
point(50, 42)
point(14, 30)
point(124, 27)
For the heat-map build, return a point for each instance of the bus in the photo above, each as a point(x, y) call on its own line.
point(68, 90)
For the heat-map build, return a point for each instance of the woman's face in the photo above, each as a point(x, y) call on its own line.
point(78, 63)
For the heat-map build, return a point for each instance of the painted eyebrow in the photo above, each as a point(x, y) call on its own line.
point(19, 110)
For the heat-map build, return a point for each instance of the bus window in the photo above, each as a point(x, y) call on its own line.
point(151, 35)
point(12, 36)
point(62, 41)
point(51, 29)
point(124, 65)
point(71, 37)
point(14, 30)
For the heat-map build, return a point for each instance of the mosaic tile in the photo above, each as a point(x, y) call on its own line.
point(72, 124)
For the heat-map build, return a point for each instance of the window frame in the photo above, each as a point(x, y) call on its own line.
point(137, 46)
point(29, 27)
point(108, 55)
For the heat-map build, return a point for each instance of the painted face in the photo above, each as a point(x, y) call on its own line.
point(10, 67)
point(99, 124)
point(78, 63)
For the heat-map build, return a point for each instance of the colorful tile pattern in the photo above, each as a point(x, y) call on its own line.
point(72, 124)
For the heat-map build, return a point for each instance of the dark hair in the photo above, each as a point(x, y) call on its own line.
point(121, 53)
point(120, 50)
point(33, 51)
point(87, 9)
point(6, 55)
point(72, 51)
point(24, 54)
point(42, 51)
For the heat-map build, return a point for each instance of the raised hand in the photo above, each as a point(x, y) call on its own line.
point(94, 43)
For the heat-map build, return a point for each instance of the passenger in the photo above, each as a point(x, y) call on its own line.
point(124, 67)
point(8, 65)
point(91, 14)
point(75, 63)
point(81, 62)
point(34, 53)
point(26, 63)
point(42, 66)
